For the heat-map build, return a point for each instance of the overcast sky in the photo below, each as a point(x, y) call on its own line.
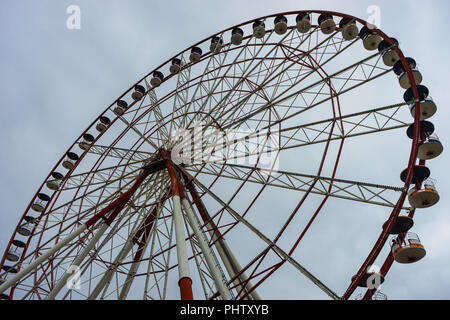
point(55, 81)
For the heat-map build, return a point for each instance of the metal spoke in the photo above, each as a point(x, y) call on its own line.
point(343, 189)
point(270, 243)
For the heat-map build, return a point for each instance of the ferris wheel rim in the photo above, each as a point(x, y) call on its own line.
point(402, 58)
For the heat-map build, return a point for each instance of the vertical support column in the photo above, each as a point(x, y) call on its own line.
point(229, 260)
point(207, 252)
point(185, 281)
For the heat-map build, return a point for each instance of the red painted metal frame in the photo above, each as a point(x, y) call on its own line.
point(185, 283)
point(412, 160)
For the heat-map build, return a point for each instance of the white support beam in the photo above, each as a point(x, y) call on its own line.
point(29, 268)
point(219, 280)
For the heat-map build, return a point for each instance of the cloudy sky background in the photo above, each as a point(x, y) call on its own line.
point(55, 81)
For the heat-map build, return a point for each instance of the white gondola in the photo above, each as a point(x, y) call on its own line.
point(87, 141)
point(175, 67)
point(426, 130)
point(259, 30)
point(15, 252)
point(427, 108)
point(237, 34)
point(157, 78)
point(402, 225)
point(40, 203)
point(390, 56)
point(103, 124)
point(371, 40)
point(27, 227)
point(280, 25)
point(423, 93)
point(4, 296)
point(408, 250)
point(431, 148)
point(25, 230)
point(368, 277)
point(70, 160)
point(120, 108)
point(377, 296)
point(348, 28)
point(138, 93)
point(403, 78)
point(420, 174)
point(426, 197)
point(55, 182)
point(326, 24)
point(9, 269)
point(303, 22)
point(13, 256)
point(195, 55)
point(216, 45)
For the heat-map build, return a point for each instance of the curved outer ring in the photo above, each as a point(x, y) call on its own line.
point(412, 160)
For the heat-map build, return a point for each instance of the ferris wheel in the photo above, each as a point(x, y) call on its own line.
point(208, 178)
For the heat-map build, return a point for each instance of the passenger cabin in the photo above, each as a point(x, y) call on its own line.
point(40, 203)
point(120, 108)
point(157, 78)
point(280, 25)
point(425, 197)
point(103, 124)
point(403, 78)
point(326, 24)
point(259, 30)
point(195, 55)
point(427, 106)
point(175, 66)
point(407, 248)
point(26, 228)
point(371, 40)
point(420, 174)
point(402, 225)
point(4, 296)
point(87, 141)
point(390, 55)
point(55, 182)
point(138, 93)
point(71, 159)
point(377, 296)
point(369, 278)
point(430, 148)
point(303, 22)
point(15, 252)
point(426, 130)
point(237, 34)
point(216, 44)
point(348, 28)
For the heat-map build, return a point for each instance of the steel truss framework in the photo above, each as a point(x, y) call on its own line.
point(137, 225)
